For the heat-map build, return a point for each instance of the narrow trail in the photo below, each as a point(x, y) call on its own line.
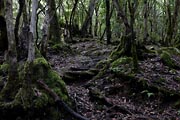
point(116, 99)
point(78, 65)
point(77, 68)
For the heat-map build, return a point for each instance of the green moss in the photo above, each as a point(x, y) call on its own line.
point(123, 65)
point(120, 61)
point(41, 101)
point(41, 70)
point(171, 50)
point(166, 58)
point(56, 46)
point(30, 95)
point(41, 62)
point(37, 53)
point(61, 47)
point(4, 68)
point(54, 81)
point(117, 53)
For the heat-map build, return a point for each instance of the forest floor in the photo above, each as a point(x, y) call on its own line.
point(110, 97)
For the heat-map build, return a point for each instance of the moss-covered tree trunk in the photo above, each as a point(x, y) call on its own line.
point(125, 44)
point(108, 24)
point(21, 91)
point(32, 33)
point(10, 89)
point(96, 26)
point(84, 28)
point(127, 47)
point(172, 23)
point(55, 34)
point(45, 31)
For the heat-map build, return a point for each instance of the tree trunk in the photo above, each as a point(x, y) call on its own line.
point(3, 31)
point(45, 30)
point(84, 29)
point(108, 24)
point(172, 22)
point(22, 46)
point(90, 27)
point(16, 29)
point(71, 20)
point(10, 89)
point(145, 21)
point(96, 20)
point(32, 33)
point(126, 39)
point(127, 47)
point(132, 9)
point(54, 24)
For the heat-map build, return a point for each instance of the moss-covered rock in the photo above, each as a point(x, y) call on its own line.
point(123, 65)
point(43, 71)
point(166, 58)
point(120, 61)
point(61, 47)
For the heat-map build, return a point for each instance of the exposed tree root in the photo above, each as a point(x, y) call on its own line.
point(61, 103)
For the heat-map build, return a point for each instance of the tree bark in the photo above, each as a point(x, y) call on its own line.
point(84, 29)
point(16, 29)
point(126, 39)
point(122, 16)
point(54, 24)
point(72, 18)
point(145, 21)
point(3, 31)
point(96, 20)
point(172, 22)
point(32, 33)
point(45, 30)
point(132, 9)
point(9, 90)
point(108, 24)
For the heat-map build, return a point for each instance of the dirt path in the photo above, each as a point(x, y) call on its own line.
point(80, 62)
point(117, 101)
point(77, 68)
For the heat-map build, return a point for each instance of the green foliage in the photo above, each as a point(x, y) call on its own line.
point(149, 94)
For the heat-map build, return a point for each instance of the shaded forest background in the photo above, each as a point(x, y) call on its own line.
point(115, 59)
